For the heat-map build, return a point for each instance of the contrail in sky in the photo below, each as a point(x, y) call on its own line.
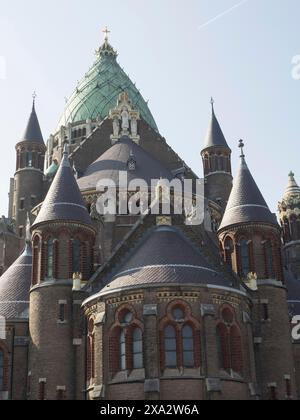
point(219, 16)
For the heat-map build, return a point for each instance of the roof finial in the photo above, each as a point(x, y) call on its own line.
point(212, 102)
point(241, 146)
point(292, 175)
point(106, 31)
point(34, 96)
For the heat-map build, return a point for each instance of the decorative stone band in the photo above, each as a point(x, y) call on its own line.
point(100, 294)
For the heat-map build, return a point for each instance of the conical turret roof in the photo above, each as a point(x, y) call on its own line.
point(98, 92)
point(215, 136)
point(15, 284)
point(246, 203)
point(64, 200)
point(33, 131)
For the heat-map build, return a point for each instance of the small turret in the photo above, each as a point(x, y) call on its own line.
point(250, 240)
point(216, 157)
point(28, 181)
point(289, 214)
point(63, 238)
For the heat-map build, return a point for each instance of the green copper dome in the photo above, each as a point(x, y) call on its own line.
point(99, 90)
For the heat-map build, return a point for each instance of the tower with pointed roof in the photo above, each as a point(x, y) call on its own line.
point(250, 240)
point(216, 157)
point(27, 189)
point(289, 213)
point(62, 238)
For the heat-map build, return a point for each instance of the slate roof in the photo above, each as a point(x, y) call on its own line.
point(246, 202)
point(33, 131)
point(114, 160)
point(64, 200)
point(15, 286)
point(166, 256)
point(215, 136)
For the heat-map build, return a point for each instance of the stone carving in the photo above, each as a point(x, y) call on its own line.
point(124, 119)
point(116, 127)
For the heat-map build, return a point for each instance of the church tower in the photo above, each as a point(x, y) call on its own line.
point(62, 239)
point(250, 240)
point(289, 213)
point(28, 179)
point(216, 157)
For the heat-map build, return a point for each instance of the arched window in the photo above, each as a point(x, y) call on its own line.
point(229, 250)
point(212, 163)
point(229, 344)
point(180, 339)
point(170, 347)
point(206, 164)
point(76, 256)
point(126, 344)
point(123, 363)
point(223, 347)
point(269, 260)
point(245, 267)
point(1, 370)
point(293, 228)
point(137, 349)
point(50, 259)
point(91, 350)
point(29, 159)
point(188, 346)
point(236, 350)
point(35, 259)
point(220, 163)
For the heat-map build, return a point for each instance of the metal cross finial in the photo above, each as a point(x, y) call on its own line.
point(106, 31)
point(241, 146)
point(34, 96)
point(291, 174)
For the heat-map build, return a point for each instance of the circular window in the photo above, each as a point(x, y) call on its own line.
point(178, 314)
point(127, 318)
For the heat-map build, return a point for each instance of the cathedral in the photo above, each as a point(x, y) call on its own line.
point(142, 305)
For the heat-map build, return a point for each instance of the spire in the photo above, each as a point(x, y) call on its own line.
point(292, 187)
point(215, 136)
point(33, 131)
point(246, 203)
point(64, 200)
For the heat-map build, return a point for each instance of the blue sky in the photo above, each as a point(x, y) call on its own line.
point(178, 60)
